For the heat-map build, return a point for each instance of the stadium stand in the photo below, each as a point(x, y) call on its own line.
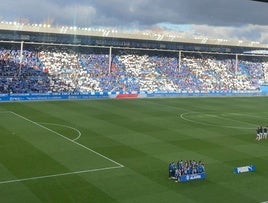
point(71, 71)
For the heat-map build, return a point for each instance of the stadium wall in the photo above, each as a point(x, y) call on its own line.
point(122, 95)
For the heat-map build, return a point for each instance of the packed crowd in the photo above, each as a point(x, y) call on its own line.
point(188, 167)
point(68, 71)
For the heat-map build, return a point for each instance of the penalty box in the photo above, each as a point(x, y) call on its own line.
point(34, 151)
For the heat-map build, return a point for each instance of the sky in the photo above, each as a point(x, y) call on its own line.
point(225, 19)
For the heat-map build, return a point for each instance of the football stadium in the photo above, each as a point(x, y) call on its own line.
point(98, 115)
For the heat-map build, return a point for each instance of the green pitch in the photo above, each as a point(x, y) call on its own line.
point(119, 150)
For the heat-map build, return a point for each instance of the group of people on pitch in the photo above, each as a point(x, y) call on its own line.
point(261, 133)
point(184, 168)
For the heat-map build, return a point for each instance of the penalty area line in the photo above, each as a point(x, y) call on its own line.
point(58, 175)
point(66, 138)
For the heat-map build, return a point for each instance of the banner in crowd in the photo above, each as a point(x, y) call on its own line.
point(120, 95)
point(51, 96)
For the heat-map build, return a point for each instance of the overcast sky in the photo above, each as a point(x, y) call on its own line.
point(239, 19)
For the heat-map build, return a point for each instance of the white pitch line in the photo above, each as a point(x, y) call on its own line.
point(73, 141)
point(58, 175)
point(65, 126)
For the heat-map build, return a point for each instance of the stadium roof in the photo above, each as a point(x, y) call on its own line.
point(140, 35)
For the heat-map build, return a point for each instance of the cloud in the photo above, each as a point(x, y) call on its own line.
point(77, 15)
point(211, 12)
point(229, 18)
point(145, 12)
point(246, 32)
